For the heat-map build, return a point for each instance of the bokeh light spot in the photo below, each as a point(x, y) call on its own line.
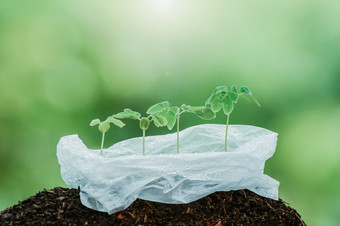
point(71, 86)
point(311, 144)
point(50, 39)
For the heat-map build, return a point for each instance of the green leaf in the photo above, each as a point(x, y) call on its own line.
point(154, 109)
point(144, 123)
point(104, 127)
point(159, 120)
point(233, 96)
point(170, 116)
point(128, 113)
point(228, 105)
point(217, 102)
point(245, 89)
point(94, 122)
point(209, 100)
point(114, 121)
point(218, 90)
point(203, 112)
point(251, 98)
point(185, 107)
point(175, 110)
point(233, 89)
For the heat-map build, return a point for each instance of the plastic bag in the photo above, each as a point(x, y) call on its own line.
point(110, 183)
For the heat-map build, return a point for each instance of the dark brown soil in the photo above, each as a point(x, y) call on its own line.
point(61, 206)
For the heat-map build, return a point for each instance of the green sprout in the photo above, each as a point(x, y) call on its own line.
point(144, 122)
point(105, 126)
point(221, 98)
point(172, 114)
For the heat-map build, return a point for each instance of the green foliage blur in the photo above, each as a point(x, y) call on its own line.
point(63, 63)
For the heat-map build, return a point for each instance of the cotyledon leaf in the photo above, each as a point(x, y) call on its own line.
point(115, 121)
point(156, 108)
point(95, 122)
point(128, 113)
point(203, 112)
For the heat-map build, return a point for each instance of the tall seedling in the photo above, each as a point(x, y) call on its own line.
point(221, 98)
point(172, 114)
point(105, 126)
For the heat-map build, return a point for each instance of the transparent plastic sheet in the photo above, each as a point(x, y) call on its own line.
point(110, 183)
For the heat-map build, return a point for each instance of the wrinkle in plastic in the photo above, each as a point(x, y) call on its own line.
point(110, 183)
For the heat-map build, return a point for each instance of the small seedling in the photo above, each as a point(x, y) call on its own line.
point(221, 98)
point(172, 114)
point(144, 122)
point(202, 112)
point(105, 126)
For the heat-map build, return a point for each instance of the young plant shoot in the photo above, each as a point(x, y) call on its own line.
point(172, 114)
point(144, 122)
point(162, 114)
point(105, 126)
point(201, 111)
point(221, 98)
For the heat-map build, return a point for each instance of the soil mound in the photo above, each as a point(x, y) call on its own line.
point(62, 206)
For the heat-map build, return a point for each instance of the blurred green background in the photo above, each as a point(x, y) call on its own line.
point(63, 63)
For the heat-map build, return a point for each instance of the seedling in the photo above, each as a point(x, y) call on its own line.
point(201, 111)
point(221, 98)
point(144, 122)
point(105, 126)
point(172, 114)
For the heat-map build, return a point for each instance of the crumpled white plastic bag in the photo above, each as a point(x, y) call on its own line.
point(110, 183)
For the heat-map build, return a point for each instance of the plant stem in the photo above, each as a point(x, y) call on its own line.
point(143, 141)
point(102, 145)
point(226, 133)
point(177, 133)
